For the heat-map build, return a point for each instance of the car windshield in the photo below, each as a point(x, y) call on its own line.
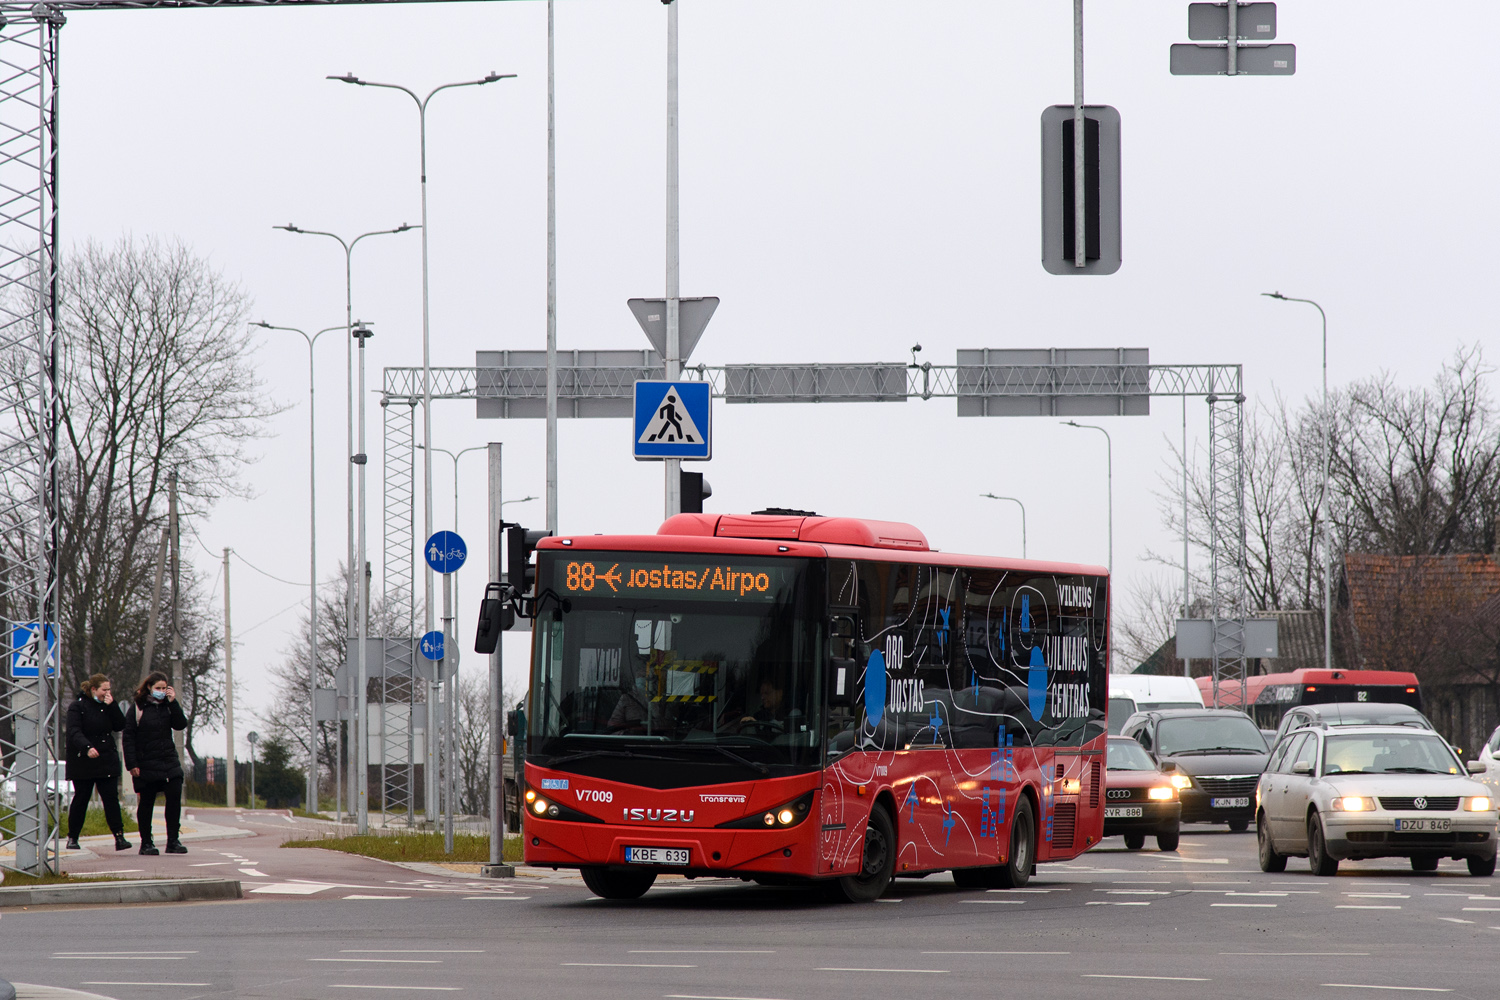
point(690, 655)
point(1209, 734)
point(1388, 754)
point(1127, 755)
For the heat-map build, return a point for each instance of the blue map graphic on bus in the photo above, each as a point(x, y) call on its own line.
point(875, 687)
point(1036, 683)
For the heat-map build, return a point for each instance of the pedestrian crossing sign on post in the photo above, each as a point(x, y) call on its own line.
point(26, 651)
point(672, 420)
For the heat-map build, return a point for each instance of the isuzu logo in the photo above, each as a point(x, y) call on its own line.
point(658, 815)
point(1118, 793)
point(1420, 802)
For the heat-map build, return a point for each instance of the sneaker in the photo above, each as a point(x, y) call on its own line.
point(148, 848)
point(121, 844)
point(73, 844)
point(175, 847)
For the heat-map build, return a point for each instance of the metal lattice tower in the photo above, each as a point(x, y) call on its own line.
point(1226, 479)
point(398, 688)
point(28, 414)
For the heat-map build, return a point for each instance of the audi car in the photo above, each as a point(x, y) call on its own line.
point(1358, 792)
point(1140, 797)
point(1219, 753)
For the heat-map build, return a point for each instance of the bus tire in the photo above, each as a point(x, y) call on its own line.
point(876, 867)
point(1021, 861)
point(617, 885)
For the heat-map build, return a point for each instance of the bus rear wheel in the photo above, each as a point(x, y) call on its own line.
point(877, 865)
point(616, 884)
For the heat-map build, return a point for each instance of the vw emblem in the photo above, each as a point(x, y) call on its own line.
point(1420, 802)
point(1118, 793)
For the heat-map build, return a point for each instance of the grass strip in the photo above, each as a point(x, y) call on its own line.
point(21, 880)
point(468, 848)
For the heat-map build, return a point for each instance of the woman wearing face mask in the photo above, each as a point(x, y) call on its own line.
point(93, 720)
point(151, 757)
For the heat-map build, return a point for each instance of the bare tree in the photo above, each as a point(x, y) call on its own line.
point(154, 376)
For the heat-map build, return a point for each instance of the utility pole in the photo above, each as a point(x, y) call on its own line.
point(551, 304)
point(497, 868)
point(228, 693)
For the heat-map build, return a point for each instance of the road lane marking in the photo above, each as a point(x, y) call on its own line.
point(995, 902)
point(1117, 902)
point(1262, 906)
point(384, 961)
point(109, 954)
point(1252, 893)
point(290, 888)
point(1357, 906)
point(887, 900)
point(1455, 920)
point(1377, 895)
point(702, 951)
point(121, 958)
point(210, 864)
point(1169, 979)
point(253, 873)
point(118, 982)
point(431, 989)
point(495, 895)
point(626, 965)
point(411, 951)
point(1482, 909)
point(1414, 989)
point(696, 996)
point(355, 895)
point(931, 972)
point(1136, 892)
point(997, 953)
point(1143, 881)
point(1299, 954)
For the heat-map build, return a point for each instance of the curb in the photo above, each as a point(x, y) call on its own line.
point(123, 891)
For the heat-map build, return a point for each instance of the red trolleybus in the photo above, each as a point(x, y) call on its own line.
point(1268, 697)
point(791, 698)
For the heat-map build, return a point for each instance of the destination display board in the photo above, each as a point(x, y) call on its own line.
point(693, 578)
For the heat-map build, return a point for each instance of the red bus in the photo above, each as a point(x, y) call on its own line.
point(790, 698)
point(1270, 696)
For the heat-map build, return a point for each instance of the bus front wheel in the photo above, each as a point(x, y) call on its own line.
point(877, 865)
point(616, 884)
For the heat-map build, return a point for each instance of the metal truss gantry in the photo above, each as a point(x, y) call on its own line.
point(1049, 383)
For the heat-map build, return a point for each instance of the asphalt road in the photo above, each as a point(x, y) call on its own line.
point(1204, 922)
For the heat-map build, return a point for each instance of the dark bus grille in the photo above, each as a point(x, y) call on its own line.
point(1408, 803)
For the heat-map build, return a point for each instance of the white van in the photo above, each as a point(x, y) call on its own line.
point(1130, 693)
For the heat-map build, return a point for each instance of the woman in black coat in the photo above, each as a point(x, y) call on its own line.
point(93, 720)
point(151, 757)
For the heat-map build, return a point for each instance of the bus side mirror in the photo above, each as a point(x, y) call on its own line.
point(841, 681)
point(495, 616)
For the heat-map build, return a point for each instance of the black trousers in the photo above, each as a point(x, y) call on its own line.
point(83, 790)
point(147, 794)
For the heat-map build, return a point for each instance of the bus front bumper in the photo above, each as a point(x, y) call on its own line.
point(711, 851)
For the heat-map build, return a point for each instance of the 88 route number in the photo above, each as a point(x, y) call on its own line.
point(583, 576)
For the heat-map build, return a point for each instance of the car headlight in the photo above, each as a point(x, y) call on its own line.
point(1181, 781)
point(1353, 803)
point(1162, 793)
point(1478, 804)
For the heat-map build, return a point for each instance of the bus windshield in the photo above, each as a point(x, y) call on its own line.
point(682, 658)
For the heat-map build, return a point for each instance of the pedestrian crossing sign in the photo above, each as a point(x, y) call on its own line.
point(672, 420)
point(27, 651)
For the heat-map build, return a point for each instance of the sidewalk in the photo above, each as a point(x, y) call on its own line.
point(96, 848)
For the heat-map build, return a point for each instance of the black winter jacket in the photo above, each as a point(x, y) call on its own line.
point(92, 724)
point(148, 741)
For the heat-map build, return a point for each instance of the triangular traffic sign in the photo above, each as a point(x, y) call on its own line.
point(671, 424)
point(692, 317)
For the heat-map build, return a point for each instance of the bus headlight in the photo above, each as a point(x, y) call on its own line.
point(538, 806)
point(788, 814)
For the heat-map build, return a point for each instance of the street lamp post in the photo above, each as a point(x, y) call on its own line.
point(1018, 503)
point(1323, 494)
point(348, 248)
point(1109, 451)
point(312, 558)
point(422, 103)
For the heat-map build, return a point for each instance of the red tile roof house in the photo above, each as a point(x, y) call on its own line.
point(1438, 616)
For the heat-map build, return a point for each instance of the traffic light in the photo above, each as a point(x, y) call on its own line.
point(1101, 169)
point(520, 543)
point(695, 490)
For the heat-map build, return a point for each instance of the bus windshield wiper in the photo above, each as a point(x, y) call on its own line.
point(763, 769)
point(606, 753)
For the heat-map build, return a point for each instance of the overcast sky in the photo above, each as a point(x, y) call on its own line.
point(858, 176)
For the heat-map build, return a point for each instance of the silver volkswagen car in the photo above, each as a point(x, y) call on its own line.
point(1357, 792)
